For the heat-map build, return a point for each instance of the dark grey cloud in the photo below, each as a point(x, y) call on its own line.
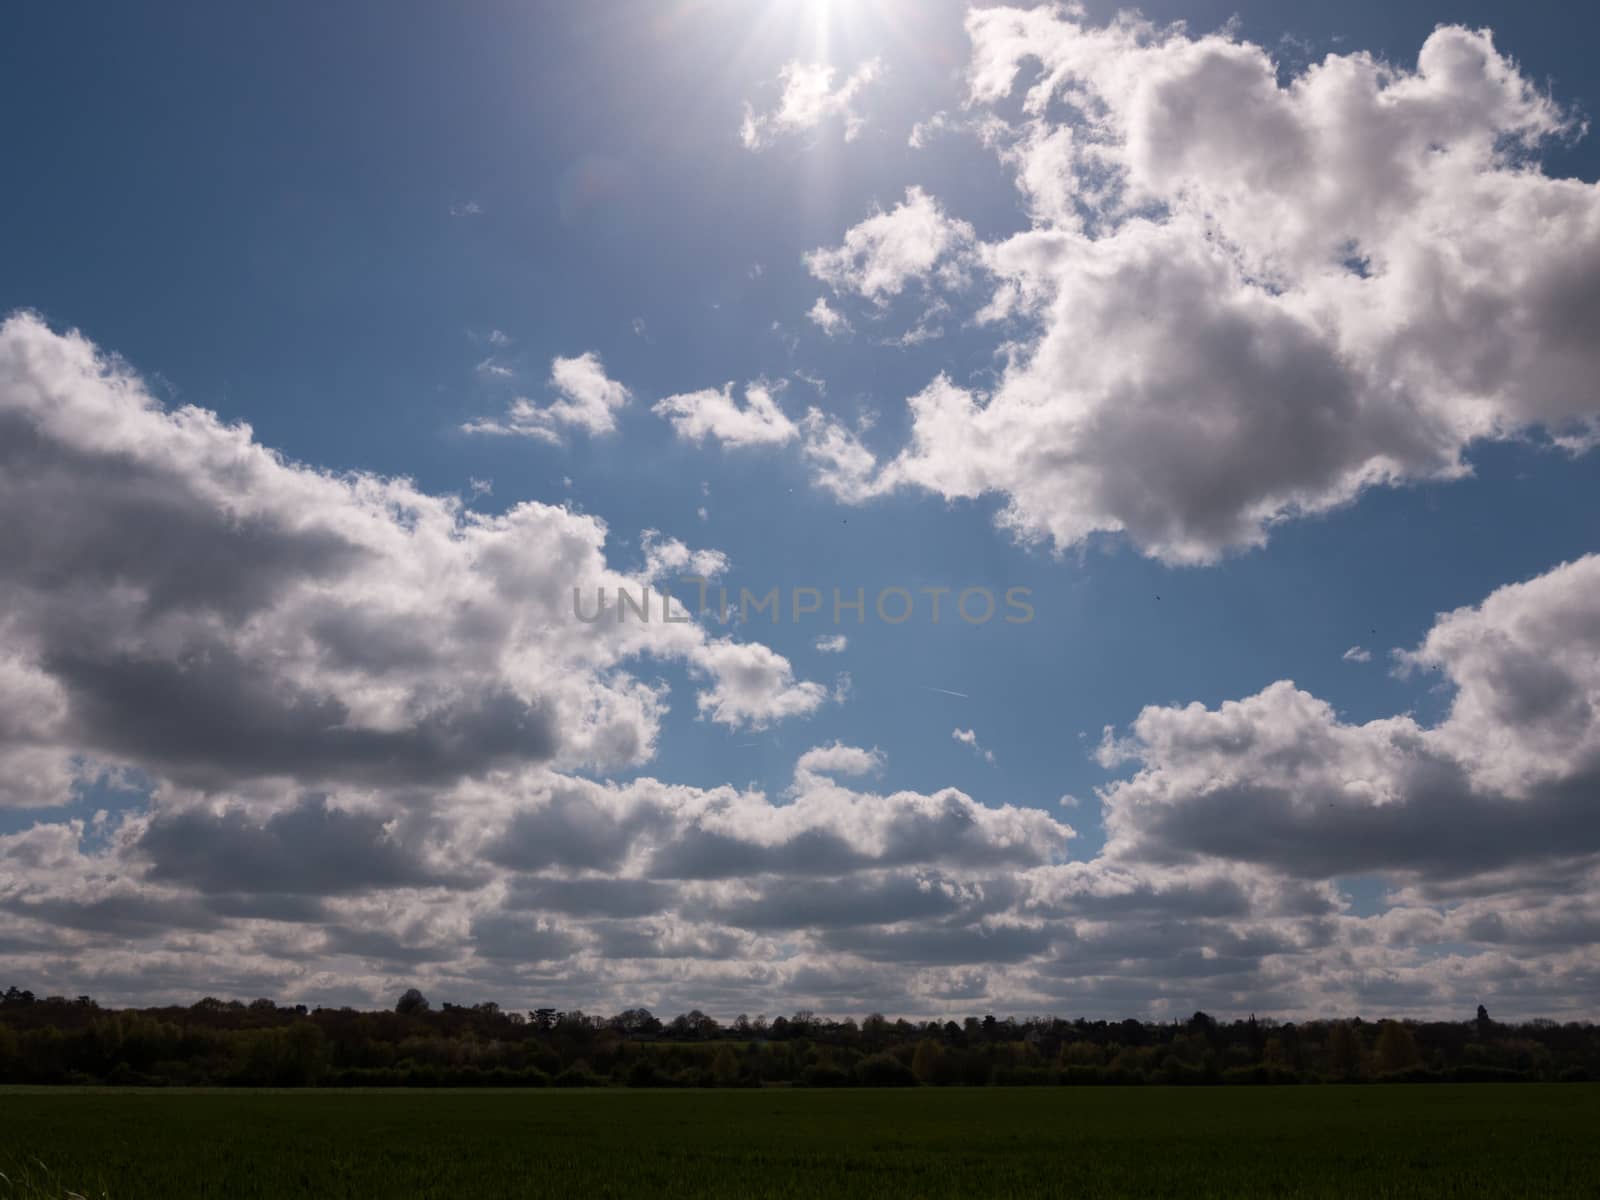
point(522, 938)
point(124, 915)
point(383, 946)
point(212, 718)
point(699, 853)
point(592, 897)
point(196, 606)
point(311, 849)
point(662, 940)
point(571, 829)
point(102, 519)
point(942, 944)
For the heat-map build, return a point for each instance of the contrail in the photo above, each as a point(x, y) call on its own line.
point(948, 692)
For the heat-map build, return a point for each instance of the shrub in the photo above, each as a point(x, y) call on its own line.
point(1020, 1076)
point(825, 1075)
point(884, 1070)
point(1260, 1073)
point(576, 1076)
point(1482, 1074)
point(1078, 1076)
point(1410, 1075)
point(645, 1074)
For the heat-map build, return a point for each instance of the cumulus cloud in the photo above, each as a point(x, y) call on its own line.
point(666, 558)
point(362, 712)
point(714, 413)
point(1246, 295)
point(586, 400)
point(831, 643)
point(526, 878)
point(839, 759)
point(1503, 783)
point(809, 98)
point(752, 685)
point(914, 242)
point(1357, 654)
point(180, 599)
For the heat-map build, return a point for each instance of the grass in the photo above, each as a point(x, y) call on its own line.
point(1400, 1141)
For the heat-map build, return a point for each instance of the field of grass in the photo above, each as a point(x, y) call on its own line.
point(1444, 1140)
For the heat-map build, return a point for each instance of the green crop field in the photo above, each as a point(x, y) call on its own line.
point(1425, 1140)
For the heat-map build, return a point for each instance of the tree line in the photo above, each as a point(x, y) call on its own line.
point(60, 1040)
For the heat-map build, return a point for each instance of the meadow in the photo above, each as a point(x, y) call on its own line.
point(1396, 1141)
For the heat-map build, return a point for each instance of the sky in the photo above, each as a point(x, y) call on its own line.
point(1224, 374)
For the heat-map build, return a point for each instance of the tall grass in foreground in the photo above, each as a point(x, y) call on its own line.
point(31, 1179)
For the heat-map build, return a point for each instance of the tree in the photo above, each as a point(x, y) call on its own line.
point(1081, 1054)
point(1344, 1051)
point(725, 1067)
point(884, 1070)
point(636, 1022)
point(927, 1061)
point(412, 1004)
point(1397, 1048)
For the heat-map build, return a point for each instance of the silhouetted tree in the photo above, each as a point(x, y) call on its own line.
point(725, 1067)
point(1344, 1051)
point(412, 1003)
point(1397, 1048)
point(928, 1061)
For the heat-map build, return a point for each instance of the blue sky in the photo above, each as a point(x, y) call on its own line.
point(361, 230)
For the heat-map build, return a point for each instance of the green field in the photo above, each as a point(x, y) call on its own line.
point(1426, 1140)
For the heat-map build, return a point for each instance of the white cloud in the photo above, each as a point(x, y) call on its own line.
point(840, 464)
point(1503, 782)
point(809, 98)
point(828, 319)
point(1357, 654)
point(182, 600)
point(587, 400)
point(913, 242)
point(831, 643)
point(666, 558)
point(924, 132)
point(1216, 889)
point(968, 737)
point(1245, 299)
point(714, 413)
point(839, 759)
point(753, 686)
